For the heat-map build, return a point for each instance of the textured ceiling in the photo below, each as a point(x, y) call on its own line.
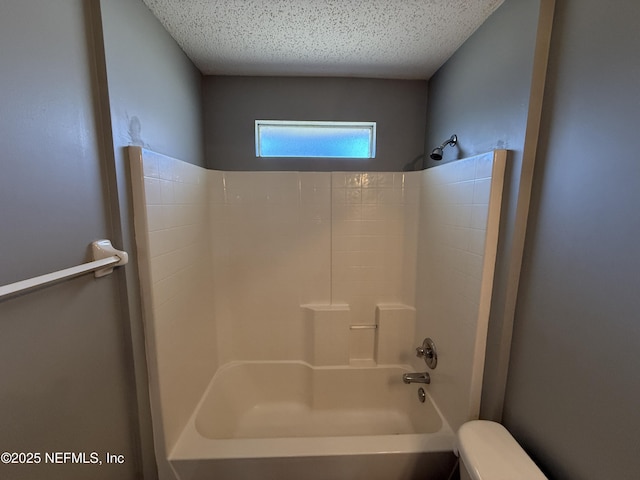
point(361, 38)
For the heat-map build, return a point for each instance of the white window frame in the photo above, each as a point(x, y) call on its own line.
point(321, 124)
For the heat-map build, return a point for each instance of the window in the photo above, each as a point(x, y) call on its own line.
point(284, 138)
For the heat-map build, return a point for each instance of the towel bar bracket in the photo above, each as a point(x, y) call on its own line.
point(102, 249)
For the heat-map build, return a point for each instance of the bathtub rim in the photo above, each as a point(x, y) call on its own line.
point(191, 445)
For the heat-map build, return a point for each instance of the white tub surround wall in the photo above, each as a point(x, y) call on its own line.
point(371, 248)
point(369, 212)
point(459, 220)
point(271, 241)
point(171, 224)
point(339, 270)
point(286, 240)
point(393, 345)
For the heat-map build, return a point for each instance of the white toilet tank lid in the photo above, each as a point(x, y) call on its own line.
point(489, 452)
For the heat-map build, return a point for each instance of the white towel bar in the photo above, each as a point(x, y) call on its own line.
point(105, 257)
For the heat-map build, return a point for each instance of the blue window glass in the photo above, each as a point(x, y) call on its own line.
point(315, 139)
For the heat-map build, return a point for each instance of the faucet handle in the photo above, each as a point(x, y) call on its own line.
point(428, 351)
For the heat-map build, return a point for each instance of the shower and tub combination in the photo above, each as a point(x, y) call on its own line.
point(292, 318)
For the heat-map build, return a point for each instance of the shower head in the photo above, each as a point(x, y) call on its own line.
point(436, 154)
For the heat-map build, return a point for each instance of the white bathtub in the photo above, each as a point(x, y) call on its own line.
point(289, 420)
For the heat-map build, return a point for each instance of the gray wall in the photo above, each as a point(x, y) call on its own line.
point(66, 373)
point(151, 98)
point(482, 92)
point(573, 393)
point(574, 386)
point(154, 90)
point(232, 104)
point(74, 375)
point(482, 95)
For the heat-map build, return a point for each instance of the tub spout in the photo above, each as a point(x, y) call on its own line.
point(416, 378)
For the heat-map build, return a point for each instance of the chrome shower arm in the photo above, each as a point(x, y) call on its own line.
point(451, 141)
point(436, 154)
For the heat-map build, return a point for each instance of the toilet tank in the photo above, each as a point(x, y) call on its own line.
point(489, 452)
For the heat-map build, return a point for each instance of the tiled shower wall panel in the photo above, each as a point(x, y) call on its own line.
point(370, 212)
point(170, 212)
point(285, 239)
point(460, 208)
point(271, 243)
point(413, 185)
